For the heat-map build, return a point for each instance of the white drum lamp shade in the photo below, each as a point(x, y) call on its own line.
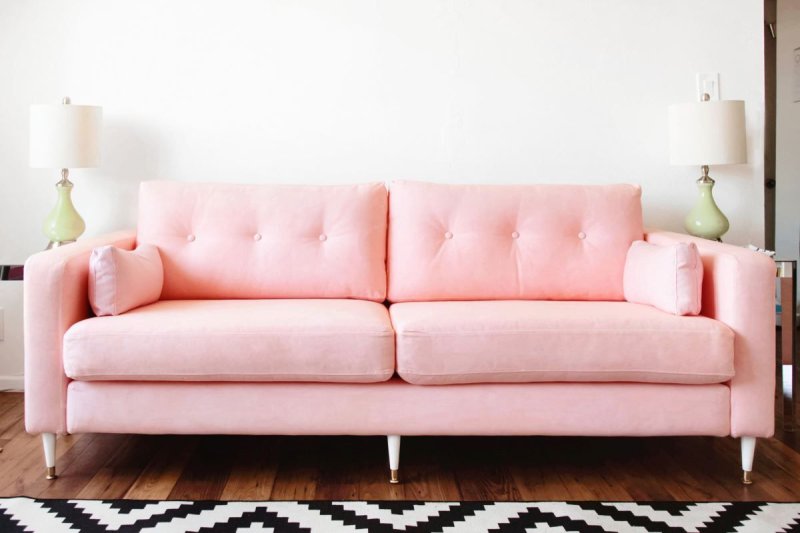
point(65, 136)
point(707, 133)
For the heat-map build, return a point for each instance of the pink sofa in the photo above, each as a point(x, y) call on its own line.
point(505, 316)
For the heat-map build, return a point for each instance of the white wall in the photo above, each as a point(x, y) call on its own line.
point(317, 91)
point(787, 163)
point(11, 346)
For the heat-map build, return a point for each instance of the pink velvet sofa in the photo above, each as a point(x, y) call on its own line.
point(427, 310)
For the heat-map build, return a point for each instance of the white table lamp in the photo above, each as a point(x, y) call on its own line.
point(64, 136)
point(707, 133)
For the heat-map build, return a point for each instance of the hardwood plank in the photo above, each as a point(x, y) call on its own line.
point(426, 469)
point(80, 470)
point(719, 474)
point(206, 473)
point(31, 470)
point(720, 470)
point(781, 455)
point(555, 468)
point(536, 470)
point(254, 469)
point(22, 467)
point(634, 469)
point(680, 481)
point(728, 451)
point(161, 474)
point(12, 420)
point(774, 477)
point(484, 474)
point(588, 469)
point(8, 399)
point(298, 472)
point(571, 461)
point(373, 472)
point(538, 482)
point(18, 461)
point(337, 478)
point(115, 478)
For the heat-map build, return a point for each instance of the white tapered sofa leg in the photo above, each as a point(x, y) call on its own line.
point(748, 452)
point(49, 443)
point(394, 458)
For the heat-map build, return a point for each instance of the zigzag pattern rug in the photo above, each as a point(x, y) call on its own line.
point(56, 516)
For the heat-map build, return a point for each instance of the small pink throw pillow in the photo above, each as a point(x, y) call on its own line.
point(121, 280)
point(669, 278)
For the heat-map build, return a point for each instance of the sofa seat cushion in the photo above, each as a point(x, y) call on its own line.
point(235, 340)
point(538, 341)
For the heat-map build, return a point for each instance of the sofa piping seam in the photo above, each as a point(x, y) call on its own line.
point(659, 372)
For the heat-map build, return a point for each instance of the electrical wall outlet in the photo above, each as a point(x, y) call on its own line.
point(708, 83)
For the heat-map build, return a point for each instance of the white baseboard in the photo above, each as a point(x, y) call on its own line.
point(15, 383)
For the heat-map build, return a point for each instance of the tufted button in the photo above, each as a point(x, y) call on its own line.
point(323, 237)
point(581, 235)
point(190, 238)
point(515, 235)
point(257, 237)
point(448, 235)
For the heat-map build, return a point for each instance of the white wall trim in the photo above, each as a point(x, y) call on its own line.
point(14, 383)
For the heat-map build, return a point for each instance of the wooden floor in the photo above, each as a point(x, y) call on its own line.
point(432, 468)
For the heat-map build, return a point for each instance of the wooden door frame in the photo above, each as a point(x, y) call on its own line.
point(770, 97)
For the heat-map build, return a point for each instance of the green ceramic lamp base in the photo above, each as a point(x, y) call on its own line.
point(63, 225)
point(706, 220)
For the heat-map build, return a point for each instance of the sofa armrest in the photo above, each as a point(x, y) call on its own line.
point(739, 290)
point(55, 297)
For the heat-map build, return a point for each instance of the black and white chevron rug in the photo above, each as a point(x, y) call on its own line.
point(55, 516)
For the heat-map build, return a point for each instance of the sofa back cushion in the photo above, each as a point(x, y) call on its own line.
point(221, 241)
point(510, 242)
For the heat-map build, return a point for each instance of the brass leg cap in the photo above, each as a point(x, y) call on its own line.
point(394, 477)
point(51, 473)
point(746, 479)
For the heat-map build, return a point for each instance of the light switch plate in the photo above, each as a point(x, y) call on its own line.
point(708, 83)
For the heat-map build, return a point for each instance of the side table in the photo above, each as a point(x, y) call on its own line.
point(786, 273)
point(11, 272)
